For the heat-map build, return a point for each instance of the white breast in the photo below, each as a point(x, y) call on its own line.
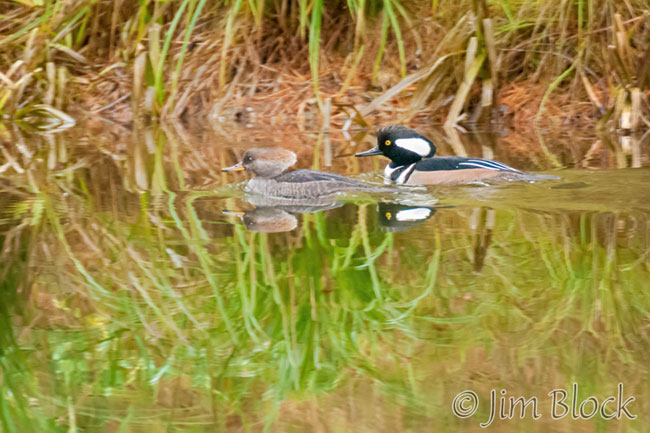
point(388, 171)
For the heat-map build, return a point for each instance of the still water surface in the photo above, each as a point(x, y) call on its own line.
point(131, 302)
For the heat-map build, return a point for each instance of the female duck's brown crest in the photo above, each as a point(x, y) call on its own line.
point(265, 162)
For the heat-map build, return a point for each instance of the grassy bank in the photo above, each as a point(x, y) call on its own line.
point(463, 62)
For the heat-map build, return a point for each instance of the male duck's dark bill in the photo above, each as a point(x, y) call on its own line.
point(371, 152)
point(237, 167)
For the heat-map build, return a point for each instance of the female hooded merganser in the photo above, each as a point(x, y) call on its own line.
point(412, 162)
point(269, 165)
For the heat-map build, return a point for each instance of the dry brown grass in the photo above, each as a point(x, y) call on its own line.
point(570, 65)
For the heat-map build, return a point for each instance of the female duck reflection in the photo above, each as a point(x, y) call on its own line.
point(268, 217)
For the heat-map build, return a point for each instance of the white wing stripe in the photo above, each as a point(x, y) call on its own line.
point(490, 165)
point(471, 164)
point(416, 145)
point(505, 167)
point(388, 171)
point(500, 164)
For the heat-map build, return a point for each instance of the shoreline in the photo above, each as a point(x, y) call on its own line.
point(517, 112)
point(471, 62)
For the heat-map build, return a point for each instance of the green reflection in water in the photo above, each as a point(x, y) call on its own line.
point(132, 304)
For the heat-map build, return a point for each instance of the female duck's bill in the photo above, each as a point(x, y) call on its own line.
point(237, 167)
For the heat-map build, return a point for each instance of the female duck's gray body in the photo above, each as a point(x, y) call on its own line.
point(269, 165)
point(413, 162)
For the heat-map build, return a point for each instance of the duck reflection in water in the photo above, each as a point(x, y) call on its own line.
point(274, 219)
point(270, 217)
point(266, 219)
point(395, 217)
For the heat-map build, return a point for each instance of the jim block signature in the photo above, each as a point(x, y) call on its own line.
point(504, 406)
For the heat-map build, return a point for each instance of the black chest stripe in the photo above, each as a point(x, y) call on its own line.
point(407, 175)
point(402, 174)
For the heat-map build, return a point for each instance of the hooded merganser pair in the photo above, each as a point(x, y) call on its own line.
point(270, 165)
point(412, 162)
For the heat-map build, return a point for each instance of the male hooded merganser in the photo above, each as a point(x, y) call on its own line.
point(269, 165)
point(412, 162)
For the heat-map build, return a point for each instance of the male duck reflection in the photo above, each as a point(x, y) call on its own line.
point(395, 217)
point(412, 162)
point(270, 165)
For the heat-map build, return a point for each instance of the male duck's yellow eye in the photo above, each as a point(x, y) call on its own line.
point(388, 214)
point(387, 142)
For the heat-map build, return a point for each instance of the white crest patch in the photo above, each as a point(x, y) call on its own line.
point(413, 214)
point(416, 145)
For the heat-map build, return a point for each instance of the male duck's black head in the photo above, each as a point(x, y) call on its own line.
point(402, 145)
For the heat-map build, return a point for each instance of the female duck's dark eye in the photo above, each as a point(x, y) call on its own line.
point(248, 158)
